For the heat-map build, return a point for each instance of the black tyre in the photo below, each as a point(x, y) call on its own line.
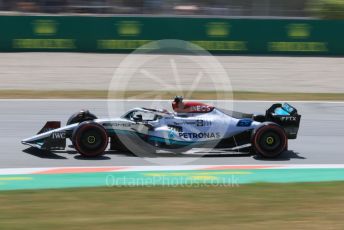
point(269, 140)
point(81, 116)
point(90, 139)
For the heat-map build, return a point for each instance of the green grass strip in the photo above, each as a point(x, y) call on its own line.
point(252, 206)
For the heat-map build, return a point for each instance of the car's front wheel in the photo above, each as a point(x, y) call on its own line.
point(269, 140)
point(90, 139)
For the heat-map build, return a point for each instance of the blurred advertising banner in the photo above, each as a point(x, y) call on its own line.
point(217, 35)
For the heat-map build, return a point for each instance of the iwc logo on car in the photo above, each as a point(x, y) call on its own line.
point(58, 135)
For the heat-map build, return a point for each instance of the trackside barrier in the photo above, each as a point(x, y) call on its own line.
point(217, 35)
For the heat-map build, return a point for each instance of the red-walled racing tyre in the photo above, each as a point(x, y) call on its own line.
point(90, 139)
point(269, 140)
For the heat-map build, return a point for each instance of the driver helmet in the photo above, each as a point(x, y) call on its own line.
point(178, 104)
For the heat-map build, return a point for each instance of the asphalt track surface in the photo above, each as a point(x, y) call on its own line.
point(320, 140)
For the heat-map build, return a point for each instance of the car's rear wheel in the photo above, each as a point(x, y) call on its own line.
point(269, 140)
point(90, 139)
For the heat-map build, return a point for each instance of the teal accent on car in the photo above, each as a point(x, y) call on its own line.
point(280, 111)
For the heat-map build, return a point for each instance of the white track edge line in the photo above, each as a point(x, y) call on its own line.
point(27, 171)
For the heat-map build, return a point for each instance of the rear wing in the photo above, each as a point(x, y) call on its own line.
point(286, 116)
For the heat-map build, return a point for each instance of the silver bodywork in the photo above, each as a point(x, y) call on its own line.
point(160, 127)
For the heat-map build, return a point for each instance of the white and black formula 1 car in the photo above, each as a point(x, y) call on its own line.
point(190, 125)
